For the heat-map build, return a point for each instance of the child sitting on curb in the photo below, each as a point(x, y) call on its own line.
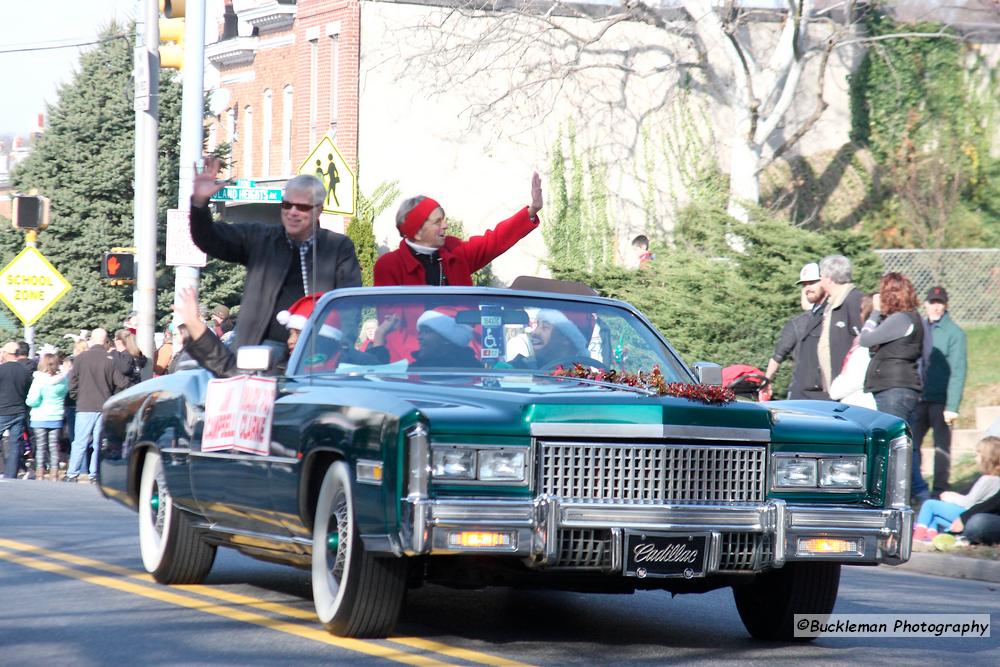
point(938, 516)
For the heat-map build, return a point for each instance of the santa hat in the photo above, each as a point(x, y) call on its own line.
point(300, 311)
point(572, 331)
point(446, 327)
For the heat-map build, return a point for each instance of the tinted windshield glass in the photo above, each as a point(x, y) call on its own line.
point(474, 332)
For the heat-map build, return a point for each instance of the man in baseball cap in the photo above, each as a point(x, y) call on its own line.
point(799, 339)
point(944, 382)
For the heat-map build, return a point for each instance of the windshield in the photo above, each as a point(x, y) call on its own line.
point(441, 332)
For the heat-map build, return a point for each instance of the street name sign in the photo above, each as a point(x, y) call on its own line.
point(30, 285)
point(239, 193)
point(327, 164)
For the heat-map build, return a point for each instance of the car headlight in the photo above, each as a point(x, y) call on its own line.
point(845, 473)
point(501, 464)
point(794, 472)
point(453, 463)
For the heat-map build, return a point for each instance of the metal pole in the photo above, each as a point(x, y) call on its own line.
point(147, 127)
point(192, 121)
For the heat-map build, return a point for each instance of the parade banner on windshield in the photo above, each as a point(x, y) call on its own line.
point(238, 414)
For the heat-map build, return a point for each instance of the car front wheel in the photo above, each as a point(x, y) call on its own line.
point(356, 594)
point(768, 604)
point(172, 551)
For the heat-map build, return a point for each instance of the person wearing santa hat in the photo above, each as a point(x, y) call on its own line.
point(557, 338)
point(444, 343)
point(205, 348)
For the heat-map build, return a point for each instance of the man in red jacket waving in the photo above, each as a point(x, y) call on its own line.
point(428, 256)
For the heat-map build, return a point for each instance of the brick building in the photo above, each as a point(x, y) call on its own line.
point(286, 75)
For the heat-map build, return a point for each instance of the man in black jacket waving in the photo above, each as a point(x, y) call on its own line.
point(283, 263)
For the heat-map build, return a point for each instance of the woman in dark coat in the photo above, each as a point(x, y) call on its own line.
point(894, 335)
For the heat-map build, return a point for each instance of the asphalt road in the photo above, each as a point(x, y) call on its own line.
point(73, 592)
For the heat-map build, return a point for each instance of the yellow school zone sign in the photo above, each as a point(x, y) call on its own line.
point(327, 164)
point(30, 285)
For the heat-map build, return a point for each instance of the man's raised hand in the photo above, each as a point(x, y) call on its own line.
point(206, 182)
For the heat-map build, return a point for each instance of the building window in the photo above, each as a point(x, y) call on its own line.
point(286, 129)
point(246, 169)
point(313, 89)
point(265, 130)
point(334, 82)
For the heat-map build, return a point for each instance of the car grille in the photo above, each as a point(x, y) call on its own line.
point(590, 549)
point(639, 473)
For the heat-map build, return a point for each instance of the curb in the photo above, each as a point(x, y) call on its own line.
point(956, 567)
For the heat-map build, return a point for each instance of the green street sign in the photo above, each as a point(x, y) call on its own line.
point(238, 193)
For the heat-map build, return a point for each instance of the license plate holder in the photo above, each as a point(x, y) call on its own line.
point(652, 554)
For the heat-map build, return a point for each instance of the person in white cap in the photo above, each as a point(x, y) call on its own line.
point(555, 339)
point(799, 339)
point(444, 342)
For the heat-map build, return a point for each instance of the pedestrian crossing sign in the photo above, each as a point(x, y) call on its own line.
point(327, 164)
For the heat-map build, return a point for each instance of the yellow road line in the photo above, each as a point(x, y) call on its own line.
point(274, 607)
point(356, 645)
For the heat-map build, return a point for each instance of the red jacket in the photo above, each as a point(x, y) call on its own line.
point(459, 260)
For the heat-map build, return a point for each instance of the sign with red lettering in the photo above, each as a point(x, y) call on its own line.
point(238, 414)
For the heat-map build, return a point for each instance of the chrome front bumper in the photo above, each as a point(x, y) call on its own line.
point(883, 535)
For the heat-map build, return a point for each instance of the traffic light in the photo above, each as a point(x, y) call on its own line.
point(119, 266)
point(172, 43)
point(172, 34)
point(172, 9)
point(30, 212)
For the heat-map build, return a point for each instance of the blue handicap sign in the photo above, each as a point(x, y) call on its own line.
point(492, 338)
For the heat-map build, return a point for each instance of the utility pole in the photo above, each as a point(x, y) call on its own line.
point(147, 126)
point(192, 122)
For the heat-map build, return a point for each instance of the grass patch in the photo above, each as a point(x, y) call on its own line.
point(982, 383)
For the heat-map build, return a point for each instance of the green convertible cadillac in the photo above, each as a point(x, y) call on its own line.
point(504, 438)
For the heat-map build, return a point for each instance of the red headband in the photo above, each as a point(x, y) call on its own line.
point(417, 216)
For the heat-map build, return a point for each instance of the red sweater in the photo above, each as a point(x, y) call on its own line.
point(459, 260)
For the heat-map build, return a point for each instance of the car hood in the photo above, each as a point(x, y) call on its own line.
point(471, 405)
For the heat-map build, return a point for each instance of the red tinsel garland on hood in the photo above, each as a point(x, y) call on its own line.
point(653, 381)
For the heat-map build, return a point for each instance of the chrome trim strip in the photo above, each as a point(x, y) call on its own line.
point(624, 431)
point(512, 513)
point(837, 519)
point(216, 528)
point(662, 517)
point(289, 460)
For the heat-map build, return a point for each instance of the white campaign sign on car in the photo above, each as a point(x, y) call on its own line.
point(238, 413)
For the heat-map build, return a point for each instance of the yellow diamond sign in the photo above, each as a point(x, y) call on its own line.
point(30, 285)
point(327, 164)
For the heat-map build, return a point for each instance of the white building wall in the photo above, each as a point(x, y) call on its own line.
point(422, 119)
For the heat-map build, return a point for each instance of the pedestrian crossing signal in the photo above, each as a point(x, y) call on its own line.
point(30, 212)
point(119, 267)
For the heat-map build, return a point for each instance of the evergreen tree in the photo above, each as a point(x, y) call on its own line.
point(360, 228)
point(84, 162)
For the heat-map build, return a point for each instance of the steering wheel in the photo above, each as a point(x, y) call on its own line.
point(568, 362)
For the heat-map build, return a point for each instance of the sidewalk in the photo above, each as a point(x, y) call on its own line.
point(926, 560)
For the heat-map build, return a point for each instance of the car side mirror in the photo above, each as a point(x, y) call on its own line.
point(708, 373)
point(254, 358)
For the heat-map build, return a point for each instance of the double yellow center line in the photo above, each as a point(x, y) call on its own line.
point(243, 608)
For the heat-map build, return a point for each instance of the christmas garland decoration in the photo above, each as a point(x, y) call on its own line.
point(653, 381)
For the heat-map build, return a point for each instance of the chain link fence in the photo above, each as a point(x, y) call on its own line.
point(971, 277)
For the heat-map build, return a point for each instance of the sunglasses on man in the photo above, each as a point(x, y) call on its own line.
point(305, 208)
